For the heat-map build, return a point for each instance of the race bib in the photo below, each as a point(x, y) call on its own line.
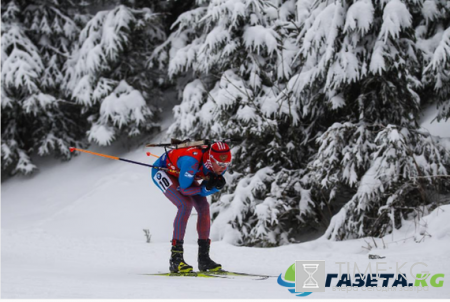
point(163, 180)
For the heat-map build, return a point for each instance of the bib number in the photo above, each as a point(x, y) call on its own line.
point(163, 180)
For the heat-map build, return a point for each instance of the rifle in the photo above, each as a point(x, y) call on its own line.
point(178, 144)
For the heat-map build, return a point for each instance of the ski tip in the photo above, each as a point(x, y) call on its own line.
point(72, 149)
point(148, 153)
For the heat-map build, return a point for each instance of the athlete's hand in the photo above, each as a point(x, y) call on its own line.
point(220, 182)
point(210, 182)
point(215, 181)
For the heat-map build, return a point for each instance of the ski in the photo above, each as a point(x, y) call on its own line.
point(188, 274)
point(236, 275)
point(216, 274)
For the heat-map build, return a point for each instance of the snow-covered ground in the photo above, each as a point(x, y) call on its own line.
point(75, 230)
point(427, 121)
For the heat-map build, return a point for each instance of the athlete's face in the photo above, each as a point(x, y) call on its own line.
point(216, 168)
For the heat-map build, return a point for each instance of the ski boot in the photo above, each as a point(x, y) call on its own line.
point(204, 262)
point(177, 263)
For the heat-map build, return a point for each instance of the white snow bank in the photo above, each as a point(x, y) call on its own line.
point(436, 224)
point(441, 128)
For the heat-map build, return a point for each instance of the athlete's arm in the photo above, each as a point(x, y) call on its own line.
point(202, 191)
point(188, 167)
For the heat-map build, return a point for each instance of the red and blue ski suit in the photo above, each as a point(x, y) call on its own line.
point(183, 189)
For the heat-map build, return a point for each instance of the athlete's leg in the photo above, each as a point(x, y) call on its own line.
point(203, 224)
point(184, 205)
point(169, 184)
point(203, 220)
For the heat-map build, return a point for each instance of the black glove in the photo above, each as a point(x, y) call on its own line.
point(209, 183)
point(220, 182)
point(215, 181)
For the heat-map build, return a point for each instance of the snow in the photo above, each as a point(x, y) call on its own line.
point(83, 91)
point(123, 104)
point(344, 70)
point(359, 16)
point(442, 52)
point(332, 33)
point(21, 67)
point(337, 101)
point(299, 81)
point(377, 63)
point(185, 17)
point(430, 10)
point(220, 7)
point(256, 37)
point(320, 28)
point(75, 230)
point(441, 129)
point(430, 224)
point(218, 36)
point(101, 134)
point(246, 114)
point(396, 17)
point(303, 10)
point(32, 103)
point(104, 87)
point(305, 203)
point(285, 58)
point(370, 183)
point(182, 55)
point(286, 9)
point(269, 105)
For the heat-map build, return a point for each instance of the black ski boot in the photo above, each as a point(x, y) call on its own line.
point(177, 263)
point(204, 262)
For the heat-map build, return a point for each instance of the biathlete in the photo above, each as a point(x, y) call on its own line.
point(180, 185)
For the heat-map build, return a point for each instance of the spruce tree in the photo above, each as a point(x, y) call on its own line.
point(67, 77)
point(433, 40)
point(234, 58)
point(36, 116)
point(364, 70)
point(111, 77)
point(326, 96)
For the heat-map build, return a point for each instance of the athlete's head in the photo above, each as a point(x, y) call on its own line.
point(220, 157)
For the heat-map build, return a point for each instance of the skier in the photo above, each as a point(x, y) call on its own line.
point(180, 185)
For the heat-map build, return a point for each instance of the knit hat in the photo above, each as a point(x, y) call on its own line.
point(220, 152)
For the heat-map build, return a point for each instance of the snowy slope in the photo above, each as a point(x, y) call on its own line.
point(76, 231)
point(427, 121)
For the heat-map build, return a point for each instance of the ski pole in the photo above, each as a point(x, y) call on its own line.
point(72, 149)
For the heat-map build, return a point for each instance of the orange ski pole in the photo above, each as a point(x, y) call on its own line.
point(72, 149)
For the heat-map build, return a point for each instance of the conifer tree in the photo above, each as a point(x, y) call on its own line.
point(433, 40)
point(36, 116)
point(323, 94)
point(369, 69)
point(68, 77)
point(110, 75)
point(234, 51)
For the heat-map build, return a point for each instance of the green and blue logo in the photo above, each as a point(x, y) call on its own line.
point(290, 276)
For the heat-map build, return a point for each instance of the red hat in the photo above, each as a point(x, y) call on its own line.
point(220, 152)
